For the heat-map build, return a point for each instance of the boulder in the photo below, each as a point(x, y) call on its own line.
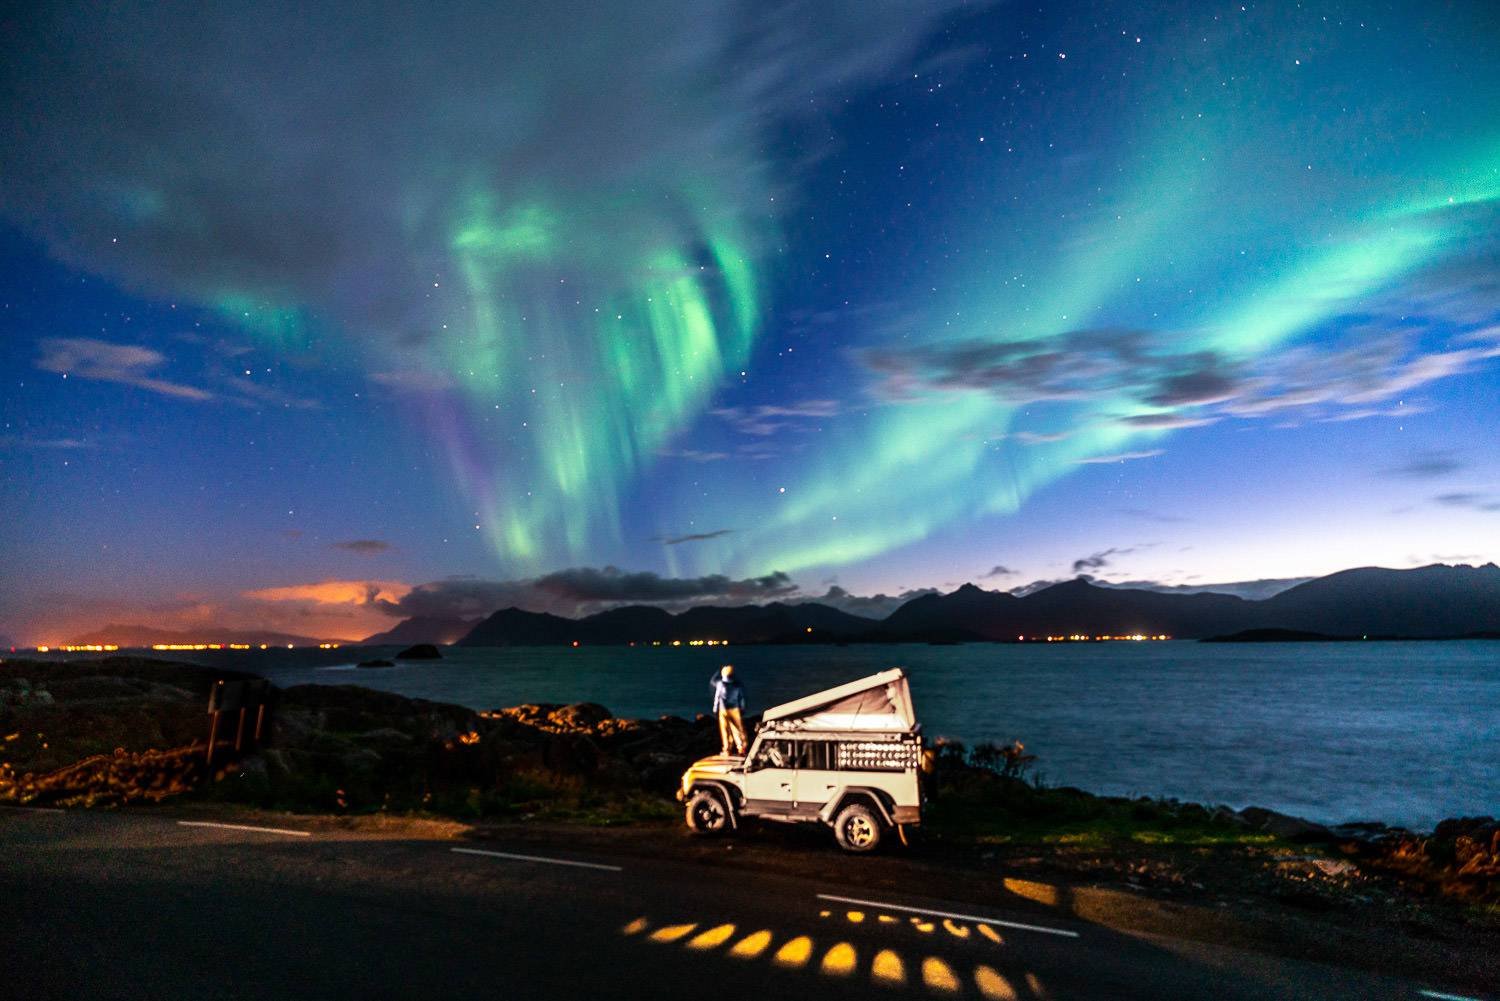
point(1284, 825)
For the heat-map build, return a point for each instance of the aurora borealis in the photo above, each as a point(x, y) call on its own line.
point(768, 297)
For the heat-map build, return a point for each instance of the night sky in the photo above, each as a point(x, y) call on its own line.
point(310, 319)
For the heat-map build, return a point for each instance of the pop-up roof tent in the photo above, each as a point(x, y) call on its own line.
point(880, 702)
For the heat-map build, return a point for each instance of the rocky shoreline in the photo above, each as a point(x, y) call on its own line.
point(127, 730)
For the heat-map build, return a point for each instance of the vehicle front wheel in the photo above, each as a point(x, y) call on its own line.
point(857, 828)
point(706, 813)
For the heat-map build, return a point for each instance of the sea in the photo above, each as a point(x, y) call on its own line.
point(1402, 733)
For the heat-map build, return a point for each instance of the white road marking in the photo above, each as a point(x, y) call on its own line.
point(538, 858)
point(244, 827)
point(949, 914)
point(33, 809)
point(1440, 996)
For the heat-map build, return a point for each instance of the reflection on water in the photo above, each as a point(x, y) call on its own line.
point(1400, 732)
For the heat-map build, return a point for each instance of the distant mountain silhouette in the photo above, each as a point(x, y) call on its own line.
point(517, 627)
point(143, 636)
point(773, 623)
point(1428, 601)
point(422, 629)
point(1433, 601)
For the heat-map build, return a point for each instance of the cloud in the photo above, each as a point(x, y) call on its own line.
point(1157, 516)
point(1425, 465)
point(335, 592)
point(694, 455)
point(1202, 383)
point(999, 571)
point(1251, 590)
point(1096, 561)
point(413, 380)
point(1041, 585)
point(23, 441)
point(677, 540)
point(1040, 437)
point(1362, 373)
point(587, 585)
point(875, 606)
point(573, 591)
point(768, 420)
point(128, 364)
point(251, 393)
point(1119, 457)
point(1165, 422)
point(364, 547)
point(1472, 500)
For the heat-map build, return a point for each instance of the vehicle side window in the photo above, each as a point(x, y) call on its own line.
point(816, 755)
point(776, 754)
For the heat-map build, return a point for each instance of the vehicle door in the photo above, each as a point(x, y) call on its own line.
point(770, 775)
point(818, 777)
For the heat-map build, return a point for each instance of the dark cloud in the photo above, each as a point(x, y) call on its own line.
point(999, 570)
point(1360, 375)
point(364, 547)
point(1099, 560)
point(1203, 382)
point(613, 585)
point(127, 364)
point(1042, 585)
point(466, 598)
point(1469, 499)
point(1425, 465)
point(582, 590)
point(677, 540)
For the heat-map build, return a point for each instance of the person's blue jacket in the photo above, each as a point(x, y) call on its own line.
point(728, 693)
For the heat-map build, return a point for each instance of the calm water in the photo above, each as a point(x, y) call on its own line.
point(1405, 733)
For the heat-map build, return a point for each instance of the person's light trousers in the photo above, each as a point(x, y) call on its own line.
point(731, 726)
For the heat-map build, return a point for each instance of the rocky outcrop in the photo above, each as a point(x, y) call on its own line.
point(1460, 858)
point(422, 651)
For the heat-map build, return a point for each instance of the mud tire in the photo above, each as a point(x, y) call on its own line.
point(857, 828)
point(707, 815)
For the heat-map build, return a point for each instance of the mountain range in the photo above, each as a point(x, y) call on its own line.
point(144, 636)
point(1426, 602)
point(423, 629)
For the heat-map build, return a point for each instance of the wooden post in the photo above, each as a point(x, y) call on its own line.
point(260, 717)
point(239, 733)
point(213, 733)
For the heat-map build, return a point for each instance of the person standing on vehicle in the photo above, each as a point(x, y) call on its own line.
point(729, 704)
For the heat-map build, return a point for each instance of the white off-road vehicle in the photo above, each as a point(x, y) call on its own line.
point(849, 757)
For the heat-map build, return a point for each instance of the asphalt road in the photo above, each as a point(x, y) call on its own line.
point(142, 905)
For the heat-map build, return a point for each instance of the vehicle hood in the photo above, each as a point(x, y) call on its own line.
point(720, 764)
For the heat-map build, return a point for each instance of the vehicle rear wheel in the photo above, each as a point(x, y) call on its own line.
point(706, 813)
point(857, 828)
